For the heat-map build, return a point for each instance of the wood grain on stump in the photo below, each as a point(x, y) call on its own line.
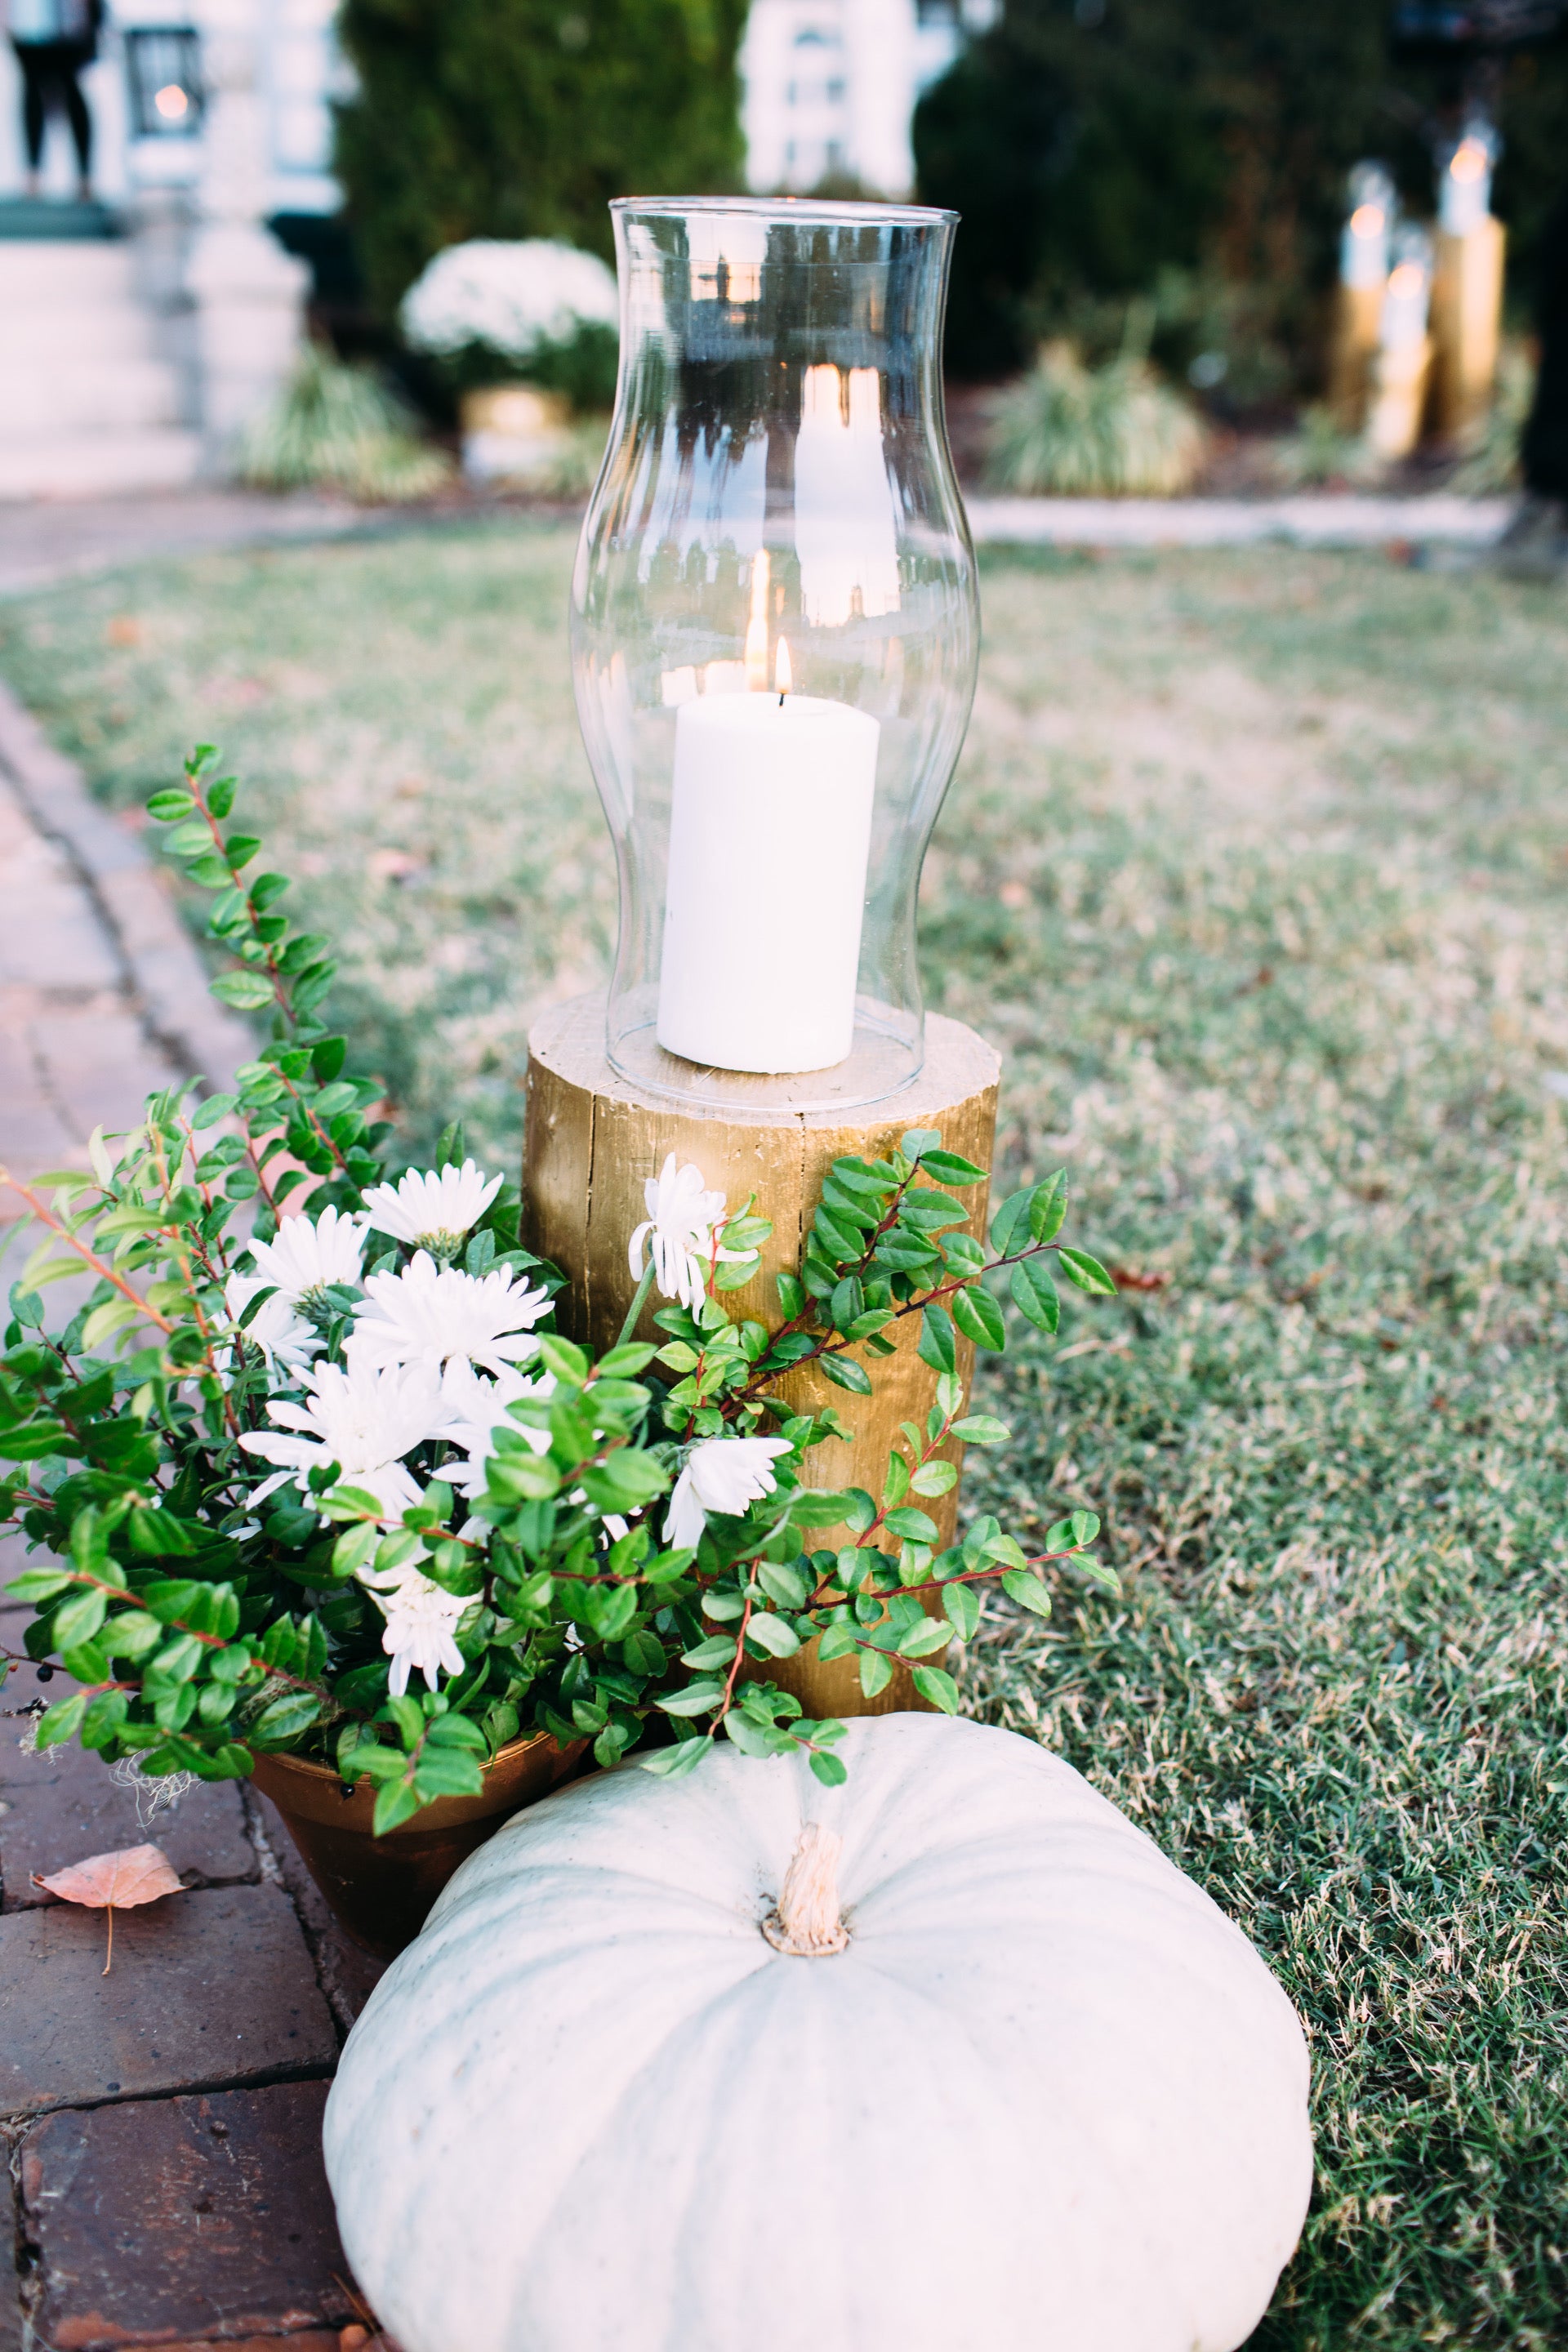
point(591, 1142)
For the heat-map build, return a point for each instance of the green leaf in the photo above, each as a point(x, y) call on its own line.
point(938, 1347)
point(1087, 1272)
point(671, 1763)
point(38, 1584)
point(79, 1618)
point(950, 1168)
point(216, 1106)
point(562, 1358)
point(113, 1315)
point(1010, 1225)
point(938, 1687)
point(247, 991)
point(979, 1318)
point(845, 1373)
point(813, 1507)
point(169, 807)
point(62, 1720)
point(918, 1141)
point(963, 1606)
point(920, 1640)
point(396, 1803)
point(285, 1720)
point(979, 1429)
point(830, 1769)
point(1035, 1293)
point(934, 1478)
point(1020, 1584)
point(625, 1480)
point(31, 1440)
point(773, 1635)
point(910, 1526)
point(782, 1581)
point(1049, 1207)
point(1084, 1526)
point(717, 1651)
point(695, 1699)
point(875, 1671)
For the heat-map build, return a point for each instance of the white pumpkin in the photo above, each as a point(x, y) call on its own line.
point(1017, 2086)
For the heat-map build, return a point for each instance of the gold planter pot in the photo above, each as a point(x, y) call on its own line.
point(381, 1888)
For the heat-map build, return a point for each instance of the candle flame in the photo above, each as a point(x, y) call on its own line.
point(757, 626)
point(1367, 220)
point(1407, 279)
point(1470, 160)
point(783, 678)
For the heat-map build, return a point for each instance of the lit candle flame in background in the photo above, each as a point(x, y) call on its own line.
point(171, 101)
point(783, 678)
point(1367, 220)
point(1407, 279)
point(1470, 160)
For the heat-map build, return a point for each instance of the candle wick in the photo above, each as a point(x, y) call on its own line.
point(781, 702)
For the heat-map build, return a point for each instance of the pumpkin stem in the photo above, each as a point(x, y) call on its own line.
point(807, 1924)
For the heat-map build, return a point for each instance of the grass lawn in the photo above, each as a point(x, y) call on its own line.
point(1254, 867)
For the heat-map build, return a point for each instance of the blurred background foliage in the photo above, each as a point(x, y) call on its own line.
point(1194, 151)
point(523, 118)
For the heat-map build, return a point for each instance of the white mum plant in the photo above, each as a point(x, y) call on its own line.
point(512, 298)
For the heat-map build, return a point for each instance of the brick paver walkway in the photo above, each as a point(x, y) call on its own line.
point(162, 2125)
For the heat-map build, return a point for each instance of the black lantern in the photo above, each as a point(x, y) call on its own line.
point(163, 63)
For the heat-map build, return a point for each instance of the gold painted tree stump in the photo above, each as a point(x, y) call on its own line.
point(1466, 328)
point(591, 1142)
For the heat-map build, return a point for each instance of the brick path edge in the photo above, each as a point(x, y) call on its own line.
point(162, 971)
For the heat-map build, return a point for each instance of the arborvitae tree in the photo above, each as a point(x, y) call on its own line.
point(522, 118)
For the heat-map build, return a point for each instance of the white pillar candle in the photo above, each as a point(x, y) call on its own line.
point(770, 832)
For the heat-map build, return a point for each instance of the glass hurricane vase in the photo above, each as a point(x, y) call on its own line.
point(775, 631)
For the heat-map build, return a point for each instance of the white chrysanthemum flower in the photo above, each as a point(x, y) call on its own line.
point(721, 1474)
point(421, 1620)
point(307, 1253)
point(681, 1221)
point(363, 1419)
point(477, 1409)
point(429, 1209)
point(433, 1314)
point(512, 294)
point(283, 1337)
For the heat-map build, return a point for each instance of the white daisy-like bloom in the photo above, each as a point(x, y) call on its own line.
point(477, 1409)
point(307, 1253)
point(283, 1338)
point(421, 1621)
point(682, 1218)
point(721, 1474)
point(431, 1209)
point(434, 1315)
point(363, 1418)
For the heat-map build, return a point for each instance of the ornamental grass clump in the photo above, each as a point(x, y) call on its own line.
point(1074, 431)
point(288, 1464)
point(338, 428)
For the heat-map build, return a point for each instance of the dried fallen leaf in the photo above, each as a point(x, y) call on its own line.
point(114, 1882)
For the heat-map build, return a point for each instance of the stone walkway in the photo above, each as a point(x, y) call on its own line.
point(162, 2124)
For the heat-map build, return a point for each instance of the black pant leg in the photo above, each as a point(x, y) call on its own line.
point(34, 111)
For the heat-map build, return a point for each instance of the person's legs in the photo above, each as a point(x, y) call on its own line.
point(75, 57)
point(33, 108)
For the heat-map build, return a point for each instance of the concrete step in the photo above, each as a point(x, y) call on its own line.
point(105, 332)
point(96, 464)
point(50, 396)
point(35, 274)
